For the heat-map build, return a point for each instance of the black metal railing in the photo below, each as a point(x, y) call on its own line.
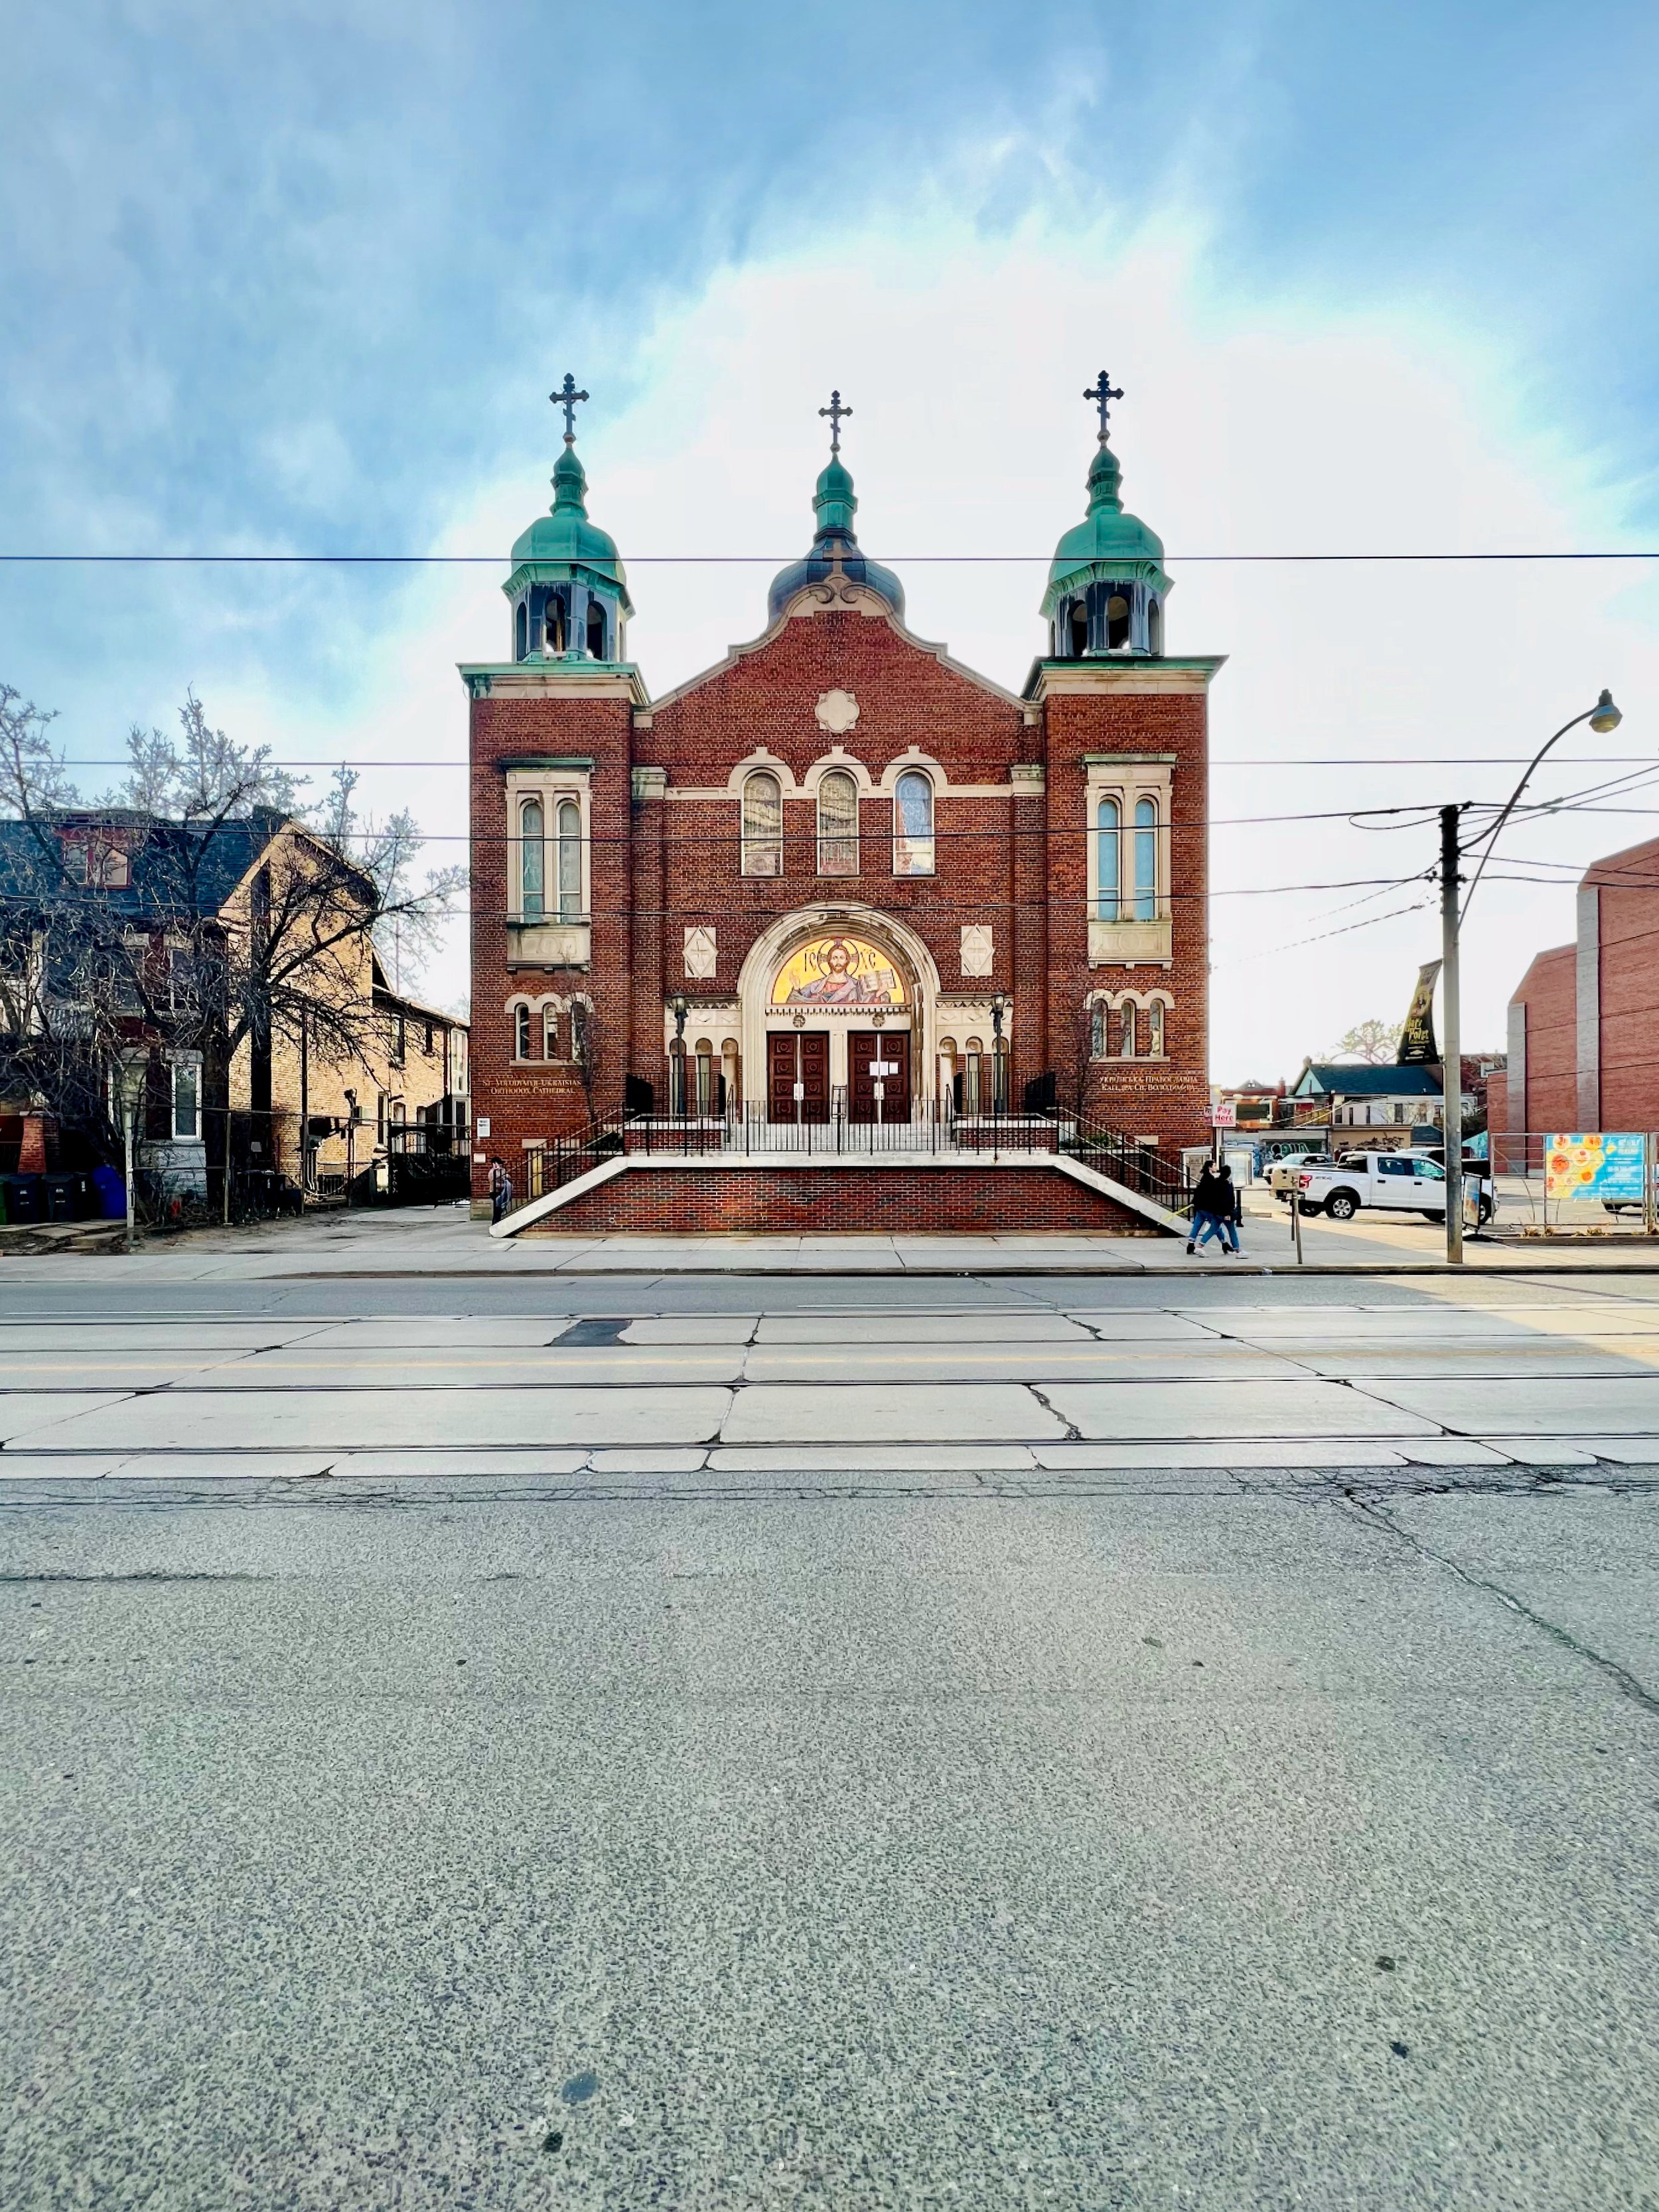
point(932, 1126)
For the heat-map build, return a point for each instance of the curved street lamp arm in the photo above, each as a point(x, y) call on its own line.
point(1491, 838)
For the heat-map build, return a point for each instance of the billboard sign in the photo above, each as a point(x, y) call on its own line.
point(1594, 1166)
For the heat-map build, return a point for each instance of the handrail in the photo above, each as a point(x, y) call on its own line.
point(932, 1127)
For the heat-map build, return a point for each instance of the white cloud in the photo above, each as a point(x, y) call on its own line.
point(1251, 424)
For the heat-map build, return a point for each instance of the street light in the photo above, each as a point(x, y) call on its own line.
point(677, 1007)
point(1602, 717)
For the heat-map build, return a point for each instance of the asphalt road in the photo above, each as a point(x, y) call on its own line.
point(1219, 1820)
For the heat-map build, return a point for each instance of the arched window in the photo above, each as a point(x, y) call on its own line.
point(1097, 1030)
point(1117, 623)
point(705, 1062)
point(1155, 1029)
point(1078, 626)
point(1125, 1034)
point(595, 629)
point(912, 825)
point(1154, 627)
point(550, 1032)
point(1146, 860)
point(521, 1033)
point(973, 1056)
point(554, 622)
point(521, 631)
point(570, 861)
point(838, 824)
point(578, 1037)
point(1108, 860)
point(762, 825)
point(533, 864)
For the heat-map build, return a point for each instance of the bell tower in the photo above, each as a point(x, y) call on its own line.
point(1107, 584)
point(568, 590)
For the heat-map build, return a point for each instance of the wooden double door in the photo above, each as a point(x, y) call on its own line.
point(798, 1075)
point(878, 1075)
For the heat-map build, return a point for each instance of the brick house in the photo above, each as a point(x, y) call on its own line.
point(116, 932)
point(840, 878)
point(1583, 1021)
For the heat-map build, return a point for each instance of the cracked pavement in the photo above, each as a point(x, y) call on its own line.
point(704, 1743)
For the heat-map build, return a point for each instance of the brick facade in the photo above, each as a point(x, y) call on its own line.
point(1583, 1023)
point(838, 682)
point(928, 1200)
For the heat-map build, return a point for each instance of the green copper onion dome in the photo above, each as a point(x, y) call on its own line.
point(835, 549)
point(1106, 583)
point(1109, 545)
point(564, 544)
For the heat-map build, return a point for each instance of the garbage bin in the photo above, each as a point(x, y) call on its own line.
point(20, 1199)
point(109, 1192)
point(58, 1193)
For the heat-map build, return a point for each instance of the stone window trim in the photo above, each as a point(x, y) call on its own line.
point(760, 848)
point(1120, 933)
point(915, 851)
point(538, 1005)
point(1154, 1026)
point(1026, 779)
point(548, 788)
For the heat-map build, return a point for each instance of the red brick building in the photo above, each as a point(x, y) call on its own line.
point(841, 876)
point(1583, 1024)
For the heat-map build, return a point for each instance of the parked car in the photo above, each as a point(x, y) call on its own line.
point(1282, 1177)
point(1397, 1182)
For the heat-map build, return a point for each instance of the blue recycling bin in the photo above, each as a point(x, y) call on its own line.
point(109, 1191)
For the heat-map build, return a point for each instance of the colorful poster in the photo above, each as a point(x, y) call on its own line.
point(1594, 1166)
point(1416, 1045)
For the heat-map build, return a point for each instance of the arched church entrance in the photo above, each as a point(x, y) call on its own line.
point(837, 1006)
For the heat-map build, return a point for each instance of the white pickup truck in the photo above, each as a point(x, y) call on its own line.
point(1402, 1182)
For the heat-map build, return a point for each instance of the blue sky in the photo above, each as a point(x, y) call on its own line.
point(300, 278)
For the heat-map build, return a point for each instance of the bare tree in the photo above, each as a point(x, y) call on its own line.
point(191, 906)
point(1377, 1044)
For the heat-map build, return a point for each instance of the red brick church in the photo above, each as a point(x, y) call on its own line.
point(840, 888)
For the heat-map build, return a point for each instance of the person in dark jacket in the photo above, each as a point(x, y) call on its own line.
point(500, 1189)
point(1209, 1196)
point(1231, 1212)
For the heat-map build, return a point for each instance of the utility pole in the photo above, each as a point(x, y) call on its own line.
point(1451, 1043)
point(129, 1114)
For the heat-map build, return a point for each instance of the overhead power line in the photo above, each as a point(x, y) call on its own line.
point(1290, 760)
point(759, 560)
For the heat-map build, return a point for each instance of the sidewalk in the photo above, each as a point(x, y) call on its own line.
point(447, 1243)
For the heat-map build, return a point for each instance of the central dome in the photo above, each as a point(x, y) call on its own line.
point(835, 549)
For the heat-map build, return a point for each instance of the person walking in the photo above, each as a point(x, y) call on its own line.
point(500, 1189)
point(1209, 1195)
point(1231, 1212)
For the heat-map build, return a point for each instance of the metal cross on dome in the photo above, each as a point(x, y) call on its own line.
point(837, 414)
point(1104, 394)
point(566, 397)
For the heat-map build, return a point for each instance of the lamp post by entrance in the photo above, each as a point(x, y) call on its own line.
point(679, 1008)
point(1602, 717)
